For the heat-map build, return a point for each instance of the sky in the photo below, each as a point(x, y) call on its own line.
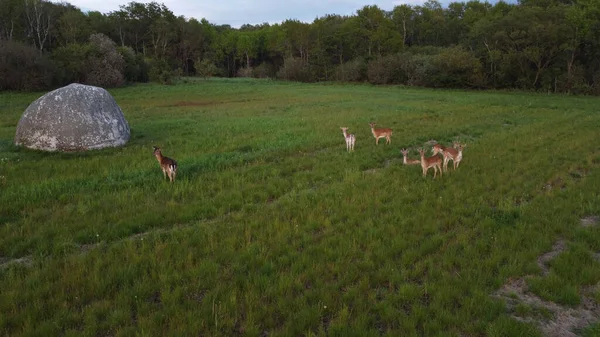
point(239, 12)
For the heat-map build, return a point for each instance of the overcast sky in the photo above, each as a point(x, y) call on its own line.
point(239, 12)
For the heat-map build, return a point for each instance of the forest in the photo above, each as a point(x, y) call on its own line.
point(534, 45)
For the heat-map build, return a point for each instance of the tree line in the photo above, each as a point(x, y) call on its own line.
point(542, 45)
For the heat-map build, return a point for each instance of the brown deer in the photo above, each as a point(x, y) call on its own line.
point(409, 161)
point(433, 161)
point(350, 139)
point(439, 148)
point(168, 165)
point(381, 133)
point(454, 154)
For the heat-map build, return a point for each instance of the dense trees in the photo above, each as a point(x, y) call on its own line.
point(549, 45)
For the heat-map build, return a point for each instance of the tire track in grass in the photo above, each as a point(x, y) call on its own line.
point(85, 248)
point(564, 321)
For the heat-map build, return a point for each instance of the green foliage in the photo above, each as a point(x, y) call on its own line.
point(351, 71)
point(136, 69)
point(388, 69)
point(73, 61)
point(295, 69)
point(22, 67)
point(205, 68)
point(456, 67)
point(161, 72)
point(264, 70)
point(540, 45)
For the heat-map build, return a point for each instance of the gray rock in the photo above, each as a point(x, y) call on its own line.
point(73, 118)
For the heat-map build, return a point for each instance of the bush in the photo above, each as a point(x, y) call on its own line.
point(106, 65)
point(352, 71)
point(136, 69)
point(265, 70)
point(245, 72)
point(295, 69)
point(73, 60)
point(388, 69)
point(205, 68)
point(456, 67)
point(161, 71)
point(22, 67)
point(418, 69)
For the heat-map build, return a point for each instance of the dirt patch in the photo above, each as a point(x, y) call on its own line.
point(543, 260)
point(562, 321)
point(5, 262)
point(590, 221)
point(557, 183)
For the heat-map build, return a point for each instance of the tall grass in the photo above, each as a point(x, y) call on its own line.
point(272, 228)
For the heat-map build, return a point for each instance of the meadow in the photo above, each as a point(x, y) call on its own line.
point(273, 229)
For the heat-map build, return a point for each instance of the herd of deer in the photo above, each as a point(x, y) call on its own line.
point(454, 153)
point(169, 166)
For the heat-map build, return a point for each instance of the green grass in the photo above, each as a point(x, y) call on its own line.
point(272, 228)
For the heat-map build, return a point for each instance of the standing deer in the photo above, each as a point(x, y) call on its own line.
point(381, 133)
point(168, 165)
point(433, 161)
point(350, 139)
point(409, 161)
point(454, 154)
point(439, 148)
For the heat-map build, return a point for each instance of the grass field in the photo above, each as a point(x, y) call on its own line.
point(273, 229)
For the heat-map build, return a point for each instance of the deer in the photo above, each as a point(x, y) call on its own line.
point(439, 148)
point(350, 139)
point(409, 161)
point(168, 165)
point(454, 154)
point(381, 133)
point(427, 162)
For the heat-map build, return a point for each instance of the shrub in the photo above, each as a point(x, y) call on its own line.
point(136, 69)
point(388, 69)
point(351, 71)
point(457, 68)
point(22, 67)
point(295, 69)
point(245, 72)
point(161, 71)
point(72, 60)
point(106, 65)
point(205, 68)
point(265, 70)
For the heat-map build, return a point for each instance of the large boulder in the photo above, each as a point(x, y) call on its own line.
point(73, 118)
